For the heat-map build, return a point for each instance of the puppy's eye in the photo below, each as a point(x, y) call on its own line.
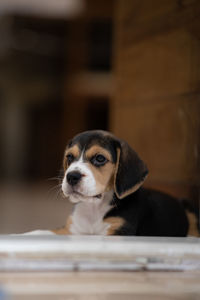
point(99, 160)
point(70, 158)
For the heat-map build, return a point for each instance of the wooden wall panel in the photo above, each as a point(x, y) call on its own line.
point(166, 136)
point(156, 102)
point(155, 67)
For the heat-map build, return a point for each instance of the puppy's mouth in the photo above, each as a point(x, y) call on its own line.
point(78, 194)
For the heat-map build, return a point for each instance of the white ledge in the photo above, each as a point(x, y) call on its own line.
point(24, 253)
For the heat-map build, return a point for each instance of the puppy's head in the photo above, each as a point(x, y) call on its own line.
point(96, 162)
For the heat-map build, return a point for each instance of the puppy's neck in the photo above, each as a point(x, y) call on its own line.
point(87, 217)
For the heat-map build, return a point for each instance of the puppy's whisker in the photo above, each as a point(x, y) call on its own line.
point(54, 192)
point(58, 194)
point(54, 188)
point(54, 178)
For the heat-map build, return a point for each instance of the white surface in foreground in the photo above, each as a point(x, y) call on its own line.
point(98, 253)
point(99, 245)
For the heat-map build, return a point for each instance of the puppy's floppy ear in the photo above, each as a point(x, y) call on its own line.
point(130, 171)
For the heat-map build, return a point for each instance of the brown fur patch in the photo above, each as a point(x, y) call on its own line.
point(98, 150)
point(65, 230)
point(103, 175)
point(115, 224)
point(193, 230)
point(75, 151)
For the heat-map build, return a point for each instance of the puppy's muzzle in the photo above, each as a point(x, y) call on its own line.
point(74, 177)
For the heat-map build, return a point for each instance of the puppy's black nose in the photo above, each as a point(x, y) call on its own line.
point(73, 177)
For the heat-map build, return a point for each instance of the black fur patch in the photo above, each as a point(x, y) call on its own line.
point(131, 170)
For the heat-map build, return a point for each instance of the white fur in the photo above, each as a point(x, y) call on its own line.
point(87, 217)
point(87, 186)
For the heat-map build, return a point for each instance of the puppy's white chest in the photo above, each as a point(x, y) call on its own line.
point(87, 219)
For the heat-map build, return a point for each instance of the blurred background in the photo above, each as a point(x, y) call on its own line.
point(131, 67)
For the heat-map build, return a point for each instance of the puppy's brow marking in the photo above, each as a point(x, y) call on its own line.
point(73, 150)
point(98, 149)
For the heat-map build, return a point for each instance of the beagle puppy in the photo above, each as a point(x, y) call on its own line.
point(103, 177)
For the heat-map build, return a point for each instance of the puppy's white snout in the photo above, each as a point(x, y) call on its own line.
point(74, 177)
